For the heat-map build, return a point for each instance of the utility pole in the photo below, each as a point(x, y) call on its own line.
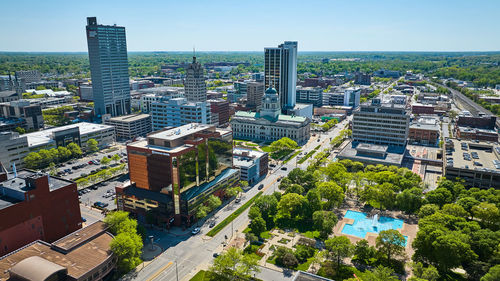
point(176, 272)
point(232, 230)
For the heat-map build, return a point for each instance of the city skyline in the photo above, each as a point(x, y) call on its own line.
point(318, 26)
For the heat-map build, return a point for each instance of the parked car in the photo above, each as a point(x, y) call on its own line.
point(212, 224)
point(90, 162)
point(84, 219)
point(101, 204)
point(215, 255)
point(238, 200)
point(261, 186)
point(195, 231)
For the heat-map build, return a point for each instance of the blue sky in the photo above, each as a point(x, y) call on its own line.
point(251, 25)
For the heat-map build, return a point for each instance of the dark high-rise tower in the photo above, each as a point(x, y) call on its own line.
point(195, 87)
point(280, 72)
point(108, 68)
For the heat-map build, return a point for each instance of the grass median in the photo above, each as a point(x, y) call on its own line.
point(232, 216)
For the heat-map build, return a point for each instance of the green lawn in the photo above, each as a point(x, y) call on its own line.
point(266, 148)
point(305, 266)
point(234, 215)
point(311, 234)
point(307, 156)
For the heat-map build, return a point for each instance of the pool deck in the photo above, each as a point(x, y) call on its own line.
point(409, 230)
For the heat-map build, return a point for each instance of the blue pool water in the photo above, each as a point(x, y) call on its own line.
point(362, 224)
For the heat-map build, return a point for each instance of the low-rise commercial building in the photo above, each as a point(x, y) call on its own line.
point(424, 131)
point(253, 165)
point(32, 114)
point(8, 96)
point(477, 163)
point(128, 127)
point(174, 171)
point(14, 147)
point(80, 256)
point(468, 133)
point(34, 206)
point(219, 111)
point(310, 95)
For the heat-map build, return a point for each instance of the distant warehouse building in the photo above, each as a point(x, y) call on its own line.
point(128, 127)
point(477, 163)
point(253, 164)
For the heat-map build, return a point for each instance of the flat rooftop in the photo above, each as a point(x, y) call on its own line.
point(45, 136)
point(180, 132)
point(486, 155)
point(79, 261)
point(350, 152)
point(80, 236)
point(238, 151)
point(129, 118)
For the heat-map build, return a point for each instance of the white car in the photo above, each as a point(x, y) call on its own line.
point(195, 231)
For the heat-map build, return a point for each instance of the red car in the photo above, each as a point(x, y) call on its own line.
point(90, 162)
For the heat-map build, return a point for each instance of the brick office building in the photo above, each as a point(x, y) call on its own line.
point(174, 171)
point(34, 206)
point(219, 107)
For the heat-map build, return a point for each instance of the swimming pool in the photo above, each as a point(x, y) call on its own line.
point(362, 224)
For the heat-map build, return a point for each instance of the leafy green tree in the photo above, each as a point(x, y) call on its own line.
point(427, 210)
point(285, 257)
point(20, 130)
point(243, 184)
point(114, 220)
point(439, 196)
point(115, 158)
point(233, 191)
point(467, 203)
point(201, 212)
point(410, 200)
point(391, 243)
point(268, 207)
point(381, 196)
point(105, 160)
point(295, 188)
point(313, 200)
point(233, 264)
point(258, 225)
point(429, 273)
point(254, 212)
point(365, 253)
point(127, 247)
point(332, 194)
point(291, 207)
point(213, 202)
point(92, 146)
point(493, 274)
point(306, 179)
point(46, 157)
point(64, 153)
point(33, 160)
point(339, 247)
point(324, 221)
point(75, 150)
point(454, 210)
point(488, 213)
point(380, 273)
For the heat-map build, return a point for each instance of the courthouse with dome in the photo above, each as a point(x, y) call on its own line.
point(269, 124)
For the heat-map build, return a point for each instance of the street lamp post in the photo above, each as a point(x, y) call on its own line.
point(176, 272)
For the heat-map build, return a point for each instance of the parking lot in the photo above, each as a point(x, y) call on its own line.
point(75, 168)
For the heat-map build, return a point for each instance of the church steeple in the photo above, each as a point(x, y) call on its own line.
point(270, 104)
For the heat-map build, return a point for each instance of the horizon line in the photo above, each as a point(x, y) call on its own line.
point(233, 51)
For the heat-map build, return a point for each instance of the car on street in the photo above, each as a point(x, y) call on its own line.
point(212, 224)
point(195, 231)
point(261, 186)
point(84, 219)
point(237, 200)
point(215, 255)
point(284, 168)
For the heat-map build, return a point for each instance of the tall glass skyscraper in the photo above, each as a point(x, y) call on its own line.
point(108, 68)
point(280, 72)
